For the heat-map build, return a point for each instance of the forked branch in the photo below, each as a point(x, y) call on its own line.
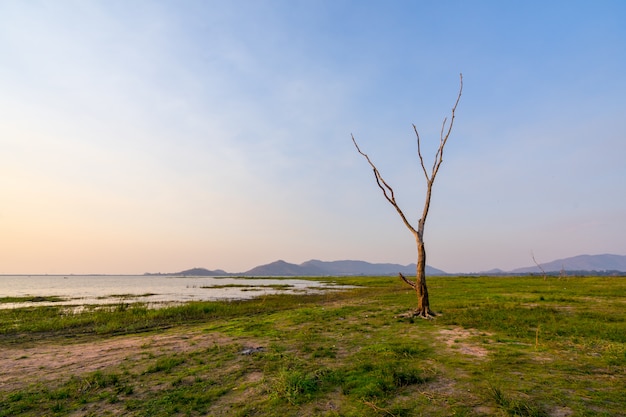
point(443, 139)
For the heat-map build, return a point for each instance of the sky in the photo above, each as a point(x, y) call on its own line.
point(157, 136)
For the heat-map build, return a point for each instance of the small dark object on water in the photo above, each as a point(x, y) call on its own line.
point(251, 350)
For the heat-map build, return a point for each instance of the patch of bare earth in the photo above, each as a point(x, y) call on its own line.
point(43, 362)
point(458, 339)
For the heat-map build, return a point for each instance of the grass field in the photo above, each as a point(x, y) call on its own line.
point(520, 346)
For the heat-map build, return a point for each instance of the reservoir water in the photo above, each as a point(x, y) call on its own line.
point(153, 289)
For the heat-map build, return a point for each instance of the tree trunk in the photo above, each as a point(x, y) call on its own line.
point(423, 305)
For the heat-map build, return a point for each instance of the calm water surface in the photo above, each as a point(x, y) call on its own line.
point(113, 289)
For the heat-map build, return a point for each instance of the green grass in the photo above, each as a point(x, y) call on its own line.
point(31, 299)
point(515, 346)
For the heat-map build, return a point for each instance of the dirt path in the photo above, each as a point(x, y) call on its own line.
point(52, 361)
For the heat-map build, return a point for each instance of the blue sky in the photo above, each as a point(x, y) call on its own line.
point(164, 135)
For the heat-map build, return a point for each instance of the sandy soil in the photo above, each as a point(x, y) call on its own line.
point(49, 362)
point(457, 339)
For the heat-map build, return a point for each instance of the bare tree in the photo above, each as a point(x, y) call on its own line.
point(419, 285)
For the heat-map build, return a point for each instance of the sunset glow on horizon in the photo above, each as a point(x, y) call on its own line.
point(157, 136)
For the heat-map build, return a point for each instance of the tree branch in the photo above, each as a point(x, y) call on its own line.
point(538, 266)
point(386, 189)
point(412, 284)
point(444, 139)
point(419, 153)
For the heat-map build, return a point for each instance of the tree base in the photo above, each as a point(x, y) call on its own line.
point(427, 315)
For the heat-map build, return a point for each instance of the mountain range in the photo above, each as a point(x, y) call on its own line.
point(578, 264)
point(321, 268)
point(600, 263)
point(317, 268)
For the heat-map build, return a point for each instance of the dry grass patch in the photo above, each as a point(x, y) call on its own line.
point(458, 339)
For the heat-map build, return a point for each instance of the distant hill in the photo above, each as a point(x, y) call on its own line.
point(495, 271)
point(282, 268)
point(604, 262)
point(366, 268)
point(322, 268)
point(202, 272)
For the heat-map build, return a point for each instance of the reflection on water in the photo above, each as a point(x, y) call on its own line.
point(113, 289)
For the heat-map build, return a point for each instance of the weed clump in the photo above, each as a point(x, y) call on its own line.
point(516, 407)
